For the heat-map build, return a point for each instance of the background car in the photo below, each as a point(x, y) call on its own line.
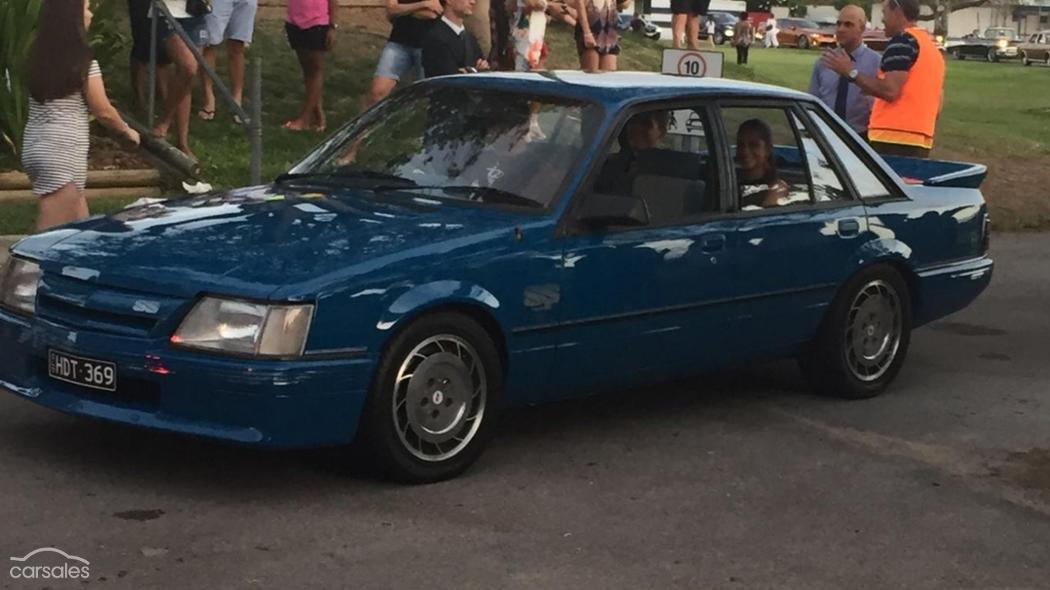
point(802, 33)
point(724, 22)
point(1036, 49)
point(994, 44)
point(486, 241)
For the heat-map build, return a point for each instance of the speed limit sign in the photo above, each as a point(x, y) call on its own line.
point(693, 63)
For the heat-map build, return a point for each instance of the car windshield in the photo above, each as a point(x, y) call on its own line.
point(723, 18)
point(454, 142)
point(807, 24)
point(1000, 34)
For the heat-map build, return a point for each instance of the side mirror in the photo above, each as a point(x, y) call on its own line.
point(600, 210)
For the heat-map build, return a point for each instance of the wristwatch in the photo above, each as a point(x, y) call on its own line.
point(853, 75)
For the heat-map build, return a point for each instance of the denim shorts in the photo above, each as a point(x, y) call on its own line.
point(398, 60)
point(195, 26)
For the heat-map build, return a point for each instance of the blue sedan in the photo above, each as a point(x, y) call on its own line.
point(484, 241)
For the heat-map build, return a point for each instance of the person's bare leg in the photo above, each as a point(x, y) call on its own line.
point(235, 54)
point(380, 89)
point(692, 32)
point(60, 207)
point(677, 29)
point(207, 111)
point(139, 80)
point(178, 100)
point(312, 64)
point(589, 60)
point(608, 63)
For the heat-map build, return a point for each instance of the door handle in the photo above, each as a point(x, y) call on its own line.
point(849, 228)
point(715, 243)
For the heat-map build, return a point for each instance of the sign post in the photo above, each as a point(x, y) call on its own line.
point(693, 63)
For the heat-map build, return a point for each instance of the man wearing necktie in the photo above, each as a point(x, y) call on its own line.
point(838, 91)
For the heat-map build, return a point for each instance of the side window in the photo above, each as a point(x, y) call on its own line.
point(867, 183)
point(770, 166)
point(664, 158)
point(825, 181)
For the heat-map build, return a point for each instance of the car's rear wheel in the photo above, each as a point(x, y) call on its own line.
point(803, 42)
point(993, 55)
point(1024, 59)
point(863, 340)
point(434, 399)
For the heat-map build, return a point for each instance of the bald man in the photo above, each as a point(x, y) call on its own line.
point(837, 90)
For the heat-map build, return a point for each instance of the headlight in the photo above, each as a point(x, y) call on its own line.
point(730, 33)
point(244, 327)
point(940, 38)
point(1003, 43)
point(18, 281)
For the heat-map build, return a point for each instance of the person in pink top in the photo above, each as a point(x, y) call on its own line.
point(311, 28)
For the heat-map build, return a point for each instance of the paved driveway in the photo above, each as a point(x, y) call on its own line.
point(735, 480)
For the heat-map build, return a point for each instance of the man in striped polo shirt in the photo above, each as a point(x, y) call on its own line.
point(909, 87)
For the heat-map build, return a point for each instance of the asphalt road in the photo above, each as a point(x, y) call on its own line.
point(736, 480)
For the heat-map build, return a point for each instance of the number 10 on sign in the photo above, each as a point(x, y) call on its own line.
point(696, 64)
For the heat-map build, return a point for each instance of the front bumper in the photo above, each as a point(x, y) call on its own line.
point(299, 403)
point(1007, 52)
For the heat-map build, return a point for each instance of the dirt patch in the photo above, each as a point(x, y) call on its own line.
point(108, 154)
point(1028, 469)
point(1017, 188)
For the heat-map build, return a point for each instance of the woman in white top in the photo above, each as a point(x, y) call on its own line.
point(64, 85)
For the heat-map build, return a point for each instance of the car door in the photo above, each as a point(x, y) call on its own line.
point(648, 301)
point(791, 257)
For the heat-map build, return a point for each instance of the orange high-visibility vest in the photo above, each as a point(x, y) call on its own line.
point(910, 120)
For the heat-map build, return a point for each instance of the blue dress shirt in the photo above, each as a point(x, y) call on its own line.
point(824, 84)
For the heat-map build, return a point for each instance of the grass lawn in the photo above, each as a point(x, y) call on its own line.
point(992, 112)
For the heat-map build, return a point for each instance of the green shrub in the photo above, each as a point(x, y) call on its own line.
point(17, 26)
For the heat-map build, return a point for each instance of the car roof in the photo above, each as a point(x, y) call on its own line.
point(614, 88)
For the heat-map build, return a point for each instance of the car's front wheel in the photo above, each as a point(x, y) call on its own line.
point(434, 399)
point(720, 39)
point(864, 337)
point(803, 42)
point(993, 55)
point(955, 53)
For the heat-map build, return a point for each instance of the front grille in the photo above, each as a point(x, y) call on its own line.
point(87, 305)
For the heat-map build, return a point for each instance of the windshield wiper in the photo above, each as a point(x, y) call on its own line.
point(483, 194)
point(336, 177)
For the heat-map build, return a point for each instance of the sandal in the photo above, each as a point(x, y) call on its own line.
point(206, 115)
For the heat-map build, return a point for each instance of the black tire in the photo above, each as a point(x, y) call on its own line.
point(831, 363)
point(401, 451)
point(720, 39)
point(1047, 60)
point(957, 54)
point(803, 42)
point(1024, 59)
point(993, 55)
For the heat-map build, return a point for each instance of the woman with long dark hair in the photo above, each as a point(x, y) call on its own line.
point(65, 83)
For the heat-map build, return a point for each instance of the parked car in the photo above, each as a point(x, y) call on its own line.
point(994, 44)
point(485, 241)
point(1036, 49)
point(724, 23)
point(802, 33)
point(876, 39)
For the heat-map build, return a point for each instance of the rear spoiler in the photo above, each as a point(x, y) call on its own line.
point(940, 173)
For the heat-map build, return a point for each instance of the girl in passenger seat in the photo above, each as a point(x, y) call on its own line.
point(757, 173)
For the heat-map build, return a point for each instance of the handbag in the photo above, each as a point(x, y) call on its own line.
point(198, 7)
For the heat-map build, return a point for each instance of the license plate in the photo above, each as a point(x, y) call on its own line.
point(82, 371)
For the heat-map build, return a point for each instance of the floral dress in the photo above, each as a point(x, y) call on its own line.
point(602, 15)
